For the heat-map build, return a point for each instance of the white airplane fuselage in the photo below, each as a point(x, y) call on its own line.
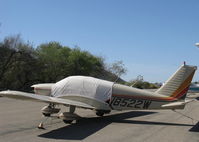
point(123, 98)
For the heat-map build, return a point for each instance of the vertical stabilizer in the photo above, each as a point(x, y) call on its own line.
point(178, 85)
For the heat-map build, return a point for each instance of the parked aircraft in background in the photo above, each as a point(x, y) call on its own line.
point(194, 88)
point(103, 96)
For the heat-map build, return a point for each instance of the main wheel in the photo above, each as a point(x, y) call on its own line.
point(68, 121)
point(99, 113)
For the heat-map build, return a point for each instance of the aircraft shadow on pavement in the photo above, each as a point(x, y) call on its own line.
point(197, 98)
point(195, 128)
point(88, 126)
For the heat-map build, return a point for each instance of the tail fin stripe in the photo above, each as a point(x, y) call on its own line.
point(183, 86)
point(178, 84)
point(182, 93)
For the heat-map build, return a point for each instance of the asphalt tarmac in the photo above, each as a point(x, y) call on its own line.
point(19, 121)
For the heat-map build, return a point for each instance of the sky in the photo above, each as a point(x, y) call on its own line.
point(152, 37)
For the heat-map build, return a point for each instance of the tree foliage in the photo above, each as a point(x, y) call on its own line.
point(117, 69)
point(83, 63)
point(53, 60)
point(21, 65)
point(17, 60)
point(142, 84)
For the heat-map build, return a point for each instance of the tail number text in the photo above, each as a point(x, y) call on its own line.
point(128, 102)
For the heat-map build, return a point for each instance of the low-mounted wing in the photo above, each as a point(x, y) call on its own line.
point(34, 97)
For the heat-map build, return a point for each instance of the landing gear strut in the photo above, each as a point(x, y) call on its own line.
point(50, 109)
point(47, 111)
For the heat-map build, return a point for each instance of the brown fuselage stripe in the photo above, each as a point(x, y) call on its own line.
point(146, 98)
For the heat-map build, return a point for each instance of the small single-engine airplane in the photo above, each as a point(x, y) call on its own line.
point(103, 96)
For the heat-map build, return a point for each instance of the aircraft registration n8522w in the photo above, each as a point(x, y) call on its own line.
point(103, 96)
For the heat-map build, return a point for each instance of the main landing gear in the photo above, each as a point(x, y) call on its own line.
point(47, 111)
point(67, 117)
point(102, 112)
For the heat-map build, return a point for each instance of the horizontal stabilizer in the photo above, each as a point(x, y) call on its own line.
point(176, 105)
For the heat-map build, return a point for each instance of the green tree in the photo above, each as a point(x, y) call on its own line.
point(142, 84)
point(18, 60)
point(21, 65)
point(54, 60)
point(83, 63)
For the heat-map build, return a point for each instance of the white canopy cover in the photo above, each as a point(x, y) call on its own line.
point(83, 86)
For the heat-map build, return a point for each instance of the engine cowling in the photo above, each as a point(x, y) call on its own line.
point(43, 89)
